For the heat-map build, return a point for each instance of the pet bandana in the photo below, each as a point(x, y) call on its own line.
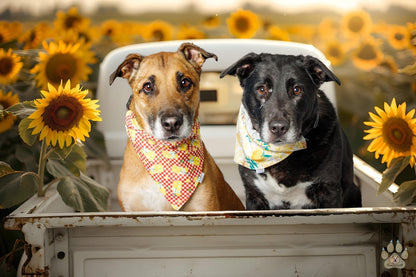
point(253, 153)
point(176, 167)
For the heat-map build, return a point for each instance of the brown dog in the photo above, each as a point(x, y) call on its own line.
point(164, 111)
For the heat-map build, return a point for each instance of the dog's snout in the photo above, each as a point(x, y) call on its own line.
point(172, 123)
point(279, 127)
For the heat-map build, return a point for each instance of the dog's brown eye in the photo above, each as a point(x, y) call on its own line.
point(297, 90)
point(148, 87)
point(262, 89)
point(185, 82)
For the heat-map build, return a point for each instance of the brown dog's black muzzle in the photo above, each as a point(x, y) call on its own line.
point(171, 122)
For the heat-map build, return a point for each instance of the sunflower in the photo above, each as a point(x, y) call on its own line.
point(63, 116)
point(356, 24)
point(83, 38)
point(388, 65)
point(398, 37)
point(243, 23)
point(368, 54)
point(10, 66)
point(70, 20)
point(158, 31)
point(7, 100)
point(302, 32)
point(62, 62)
point(276, 33)
point(187, 32)
point(33, 38)
point(412, 30)
point(335, 52)
point(6, 34)
point(327, 28)
point(212, 22)
point(393, 133)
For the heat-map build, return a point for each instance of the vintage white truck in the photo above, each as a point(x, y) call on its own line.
point(319, 242)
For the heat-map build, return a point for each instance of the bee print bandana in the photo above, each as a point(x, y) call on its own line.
point(176, 167)
point(252, 152)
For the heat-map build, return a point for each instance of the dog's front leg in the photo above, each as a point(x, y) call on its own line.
point(325, 195)
point(255, 199)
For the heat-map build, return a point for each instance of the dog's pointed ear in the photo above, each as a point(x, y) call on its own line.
point(318, 71)
point(127, 68)
point(195, 55)
point(243, 67)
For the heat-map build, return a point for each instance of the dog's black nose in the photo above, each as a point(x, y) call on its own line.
point(171, 123)
point(279, 127)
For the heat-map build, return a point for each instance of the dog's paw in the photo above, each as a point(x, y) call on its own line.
point(394, 255)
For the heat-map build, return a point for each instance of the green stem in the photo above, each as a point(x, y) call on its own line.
point(41, 170)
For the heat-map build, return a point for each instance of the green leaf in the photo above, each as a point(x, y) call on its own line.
point(5, 169)
point(26, 133)
point(16, 188)
point(406, 193)
point(410, 69)
point(76, 161)
point(69, 194)
point(60, 153)
point(24, 109)
point(390, 174)
point(57, 169)
point(95, 146)
point(83, 194)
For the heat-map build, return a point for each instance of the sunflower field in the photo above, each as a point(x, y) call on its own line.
point(372, 53)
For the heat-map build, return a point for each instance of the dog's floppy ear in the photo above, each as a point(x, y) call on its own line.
point(318, 71)
point(195, 55)
point(127, 68)
point(243, 67)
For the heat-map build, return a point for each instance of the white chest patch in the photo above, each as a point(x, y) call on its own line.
point(279, 195)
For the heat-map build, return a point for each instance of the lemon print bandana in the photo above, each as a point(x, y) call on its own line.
point(251, 152)
point(176, 167)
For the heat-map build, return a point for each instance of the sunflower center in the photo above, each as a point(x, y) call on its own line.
point(334, 51)
point(63, 113)
point(6, 66)
point(397, 134)
point(2, 38)
point(398, 36)
point(4, 104)
point(158, 35)
point(32, 36)
point(71, 21)
point(367, 52)
point(356, 24)
point(61, 67)
point(242, 24)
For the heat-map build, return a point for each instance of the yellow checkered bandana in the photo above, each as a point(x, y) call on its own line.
point(175, 167)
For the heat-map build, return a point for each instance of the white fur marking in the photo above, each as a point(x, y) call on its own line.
point(149, 197)
point(277, 193)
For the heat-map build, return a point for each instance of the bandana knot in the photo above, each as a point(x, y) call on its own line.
point(176, 167)
point(251, 152)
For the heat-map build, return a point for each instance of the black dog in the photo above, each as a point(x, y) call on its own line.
point(283, 101)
